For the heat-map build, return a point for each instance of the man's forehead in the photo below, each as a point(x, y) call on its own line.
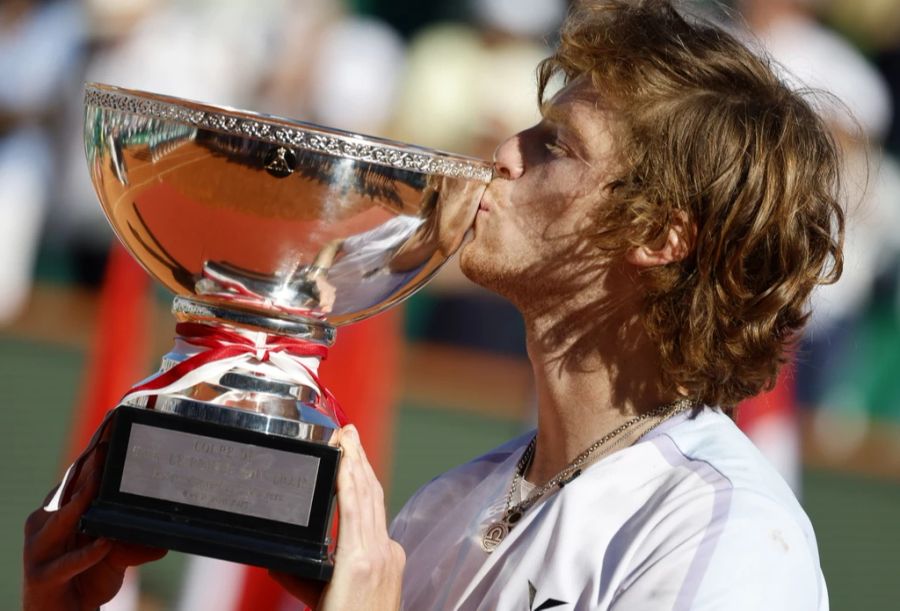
point(577, 97)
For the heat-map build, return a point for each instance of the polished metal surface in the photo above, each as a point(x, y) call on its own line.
point(273, 404)
point(190, 310)
point(275, 218)
point(249, 420)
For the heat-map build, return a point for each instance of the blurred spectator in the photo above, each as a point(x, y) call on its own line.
point(334, 68)
point(411, 16)
point(875, 26)
point(39, 45)
point(811, 56)
point(470, 86)
point(889, 62)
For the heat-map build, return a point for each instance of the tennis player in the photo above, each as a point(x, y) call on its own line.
point(660, 230)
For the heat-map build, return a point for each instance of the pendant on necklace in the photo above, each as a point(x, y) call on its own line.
point(494, 535)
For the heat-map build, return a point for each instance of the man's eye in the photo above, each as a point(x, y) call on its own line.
point(555, 149)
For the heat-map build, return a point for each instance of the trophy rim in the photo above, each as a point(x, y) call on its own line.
point(291, 133)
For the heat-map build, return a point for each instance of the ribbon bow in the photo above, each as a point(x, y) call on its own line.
point(225, 347)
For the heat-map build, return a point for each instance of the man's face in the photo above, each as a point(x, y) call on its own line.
point(530, 228)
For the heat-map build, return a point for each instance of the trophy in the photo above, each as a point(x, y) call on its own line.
point(271, 233)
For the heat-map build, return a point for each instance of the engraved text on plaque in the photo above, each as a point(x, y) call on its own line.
point(219, 474)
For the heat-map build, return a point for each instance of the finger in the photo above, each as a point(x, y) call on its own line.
point(124, 555)
point(350, 529)
point(87, 470)
point(377, 510)
point(35, 522)
point(367, 486)
point(99, 443)
point(74, 563)
point(83, 491)
point(70, 481)
point(59, 526)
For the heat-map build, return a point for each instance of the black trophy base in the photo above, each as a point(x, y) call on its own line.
point(219, 491)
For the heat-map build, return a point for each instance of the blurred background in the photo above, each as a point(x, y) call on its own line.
point(78, 324)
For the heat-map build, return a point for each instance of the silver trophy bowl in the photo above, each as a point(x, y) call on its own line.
point(274, 217)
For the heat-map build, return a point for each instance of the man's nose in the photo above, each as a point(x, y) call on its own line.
point(508, 161)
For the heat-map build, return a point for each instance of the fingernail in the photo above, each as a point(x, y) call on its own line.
point(352, 433)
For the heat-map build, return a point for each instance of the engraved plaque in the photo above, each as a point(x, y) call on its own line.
point(219, 474)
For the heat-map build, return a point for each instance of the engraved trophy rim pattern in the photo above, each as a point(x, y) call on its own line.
point(287, 132)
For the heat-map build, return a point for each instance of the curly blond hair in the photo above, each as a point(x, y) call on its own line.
point(710, 134)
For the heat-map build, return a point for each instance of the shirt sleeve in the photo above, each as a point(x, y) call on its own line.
point(754, 556)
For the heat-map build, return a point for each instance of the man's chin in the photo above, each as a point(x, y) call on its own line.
point(475, 264)
point(469, 261)
point(484, 269)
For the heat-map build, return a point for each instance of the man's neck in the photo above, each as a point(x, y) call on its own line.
point(588, 383)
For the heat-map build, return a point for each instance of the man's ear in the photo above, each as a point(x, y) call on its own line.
point(678, 244)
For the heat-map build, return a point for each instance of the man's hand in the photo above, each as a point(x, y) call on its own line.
point(64, 569)
point(368, 565)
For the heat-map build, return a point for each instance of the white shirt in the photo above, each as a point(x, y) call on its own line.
point(691, 517)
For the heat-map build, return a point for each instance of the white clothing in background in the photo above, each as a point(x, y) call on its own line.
point(37, 53)
point(809, 55)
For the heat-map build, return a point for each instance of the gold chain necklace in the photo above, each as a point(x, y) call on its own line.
point(497, 531)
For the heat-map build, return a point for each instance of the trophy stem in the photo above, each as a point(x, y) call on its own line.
point(246, 371)
point(319, 332)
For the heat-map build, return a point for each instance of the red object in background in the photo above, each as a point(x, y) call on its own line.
point(780, 402)
point(119, 352)
point(117, 359)
point(259, 592)
point(362, 371)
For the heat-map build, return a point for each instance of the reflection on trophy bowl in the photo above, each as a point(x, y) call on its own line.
point(270, 216)
point(271, 233)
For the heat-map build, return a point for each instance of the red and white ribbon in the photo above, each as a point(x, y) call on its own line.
point(214, 350)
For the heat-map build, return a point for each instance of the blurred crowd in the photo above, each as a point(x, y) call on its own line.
point(450, 74)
